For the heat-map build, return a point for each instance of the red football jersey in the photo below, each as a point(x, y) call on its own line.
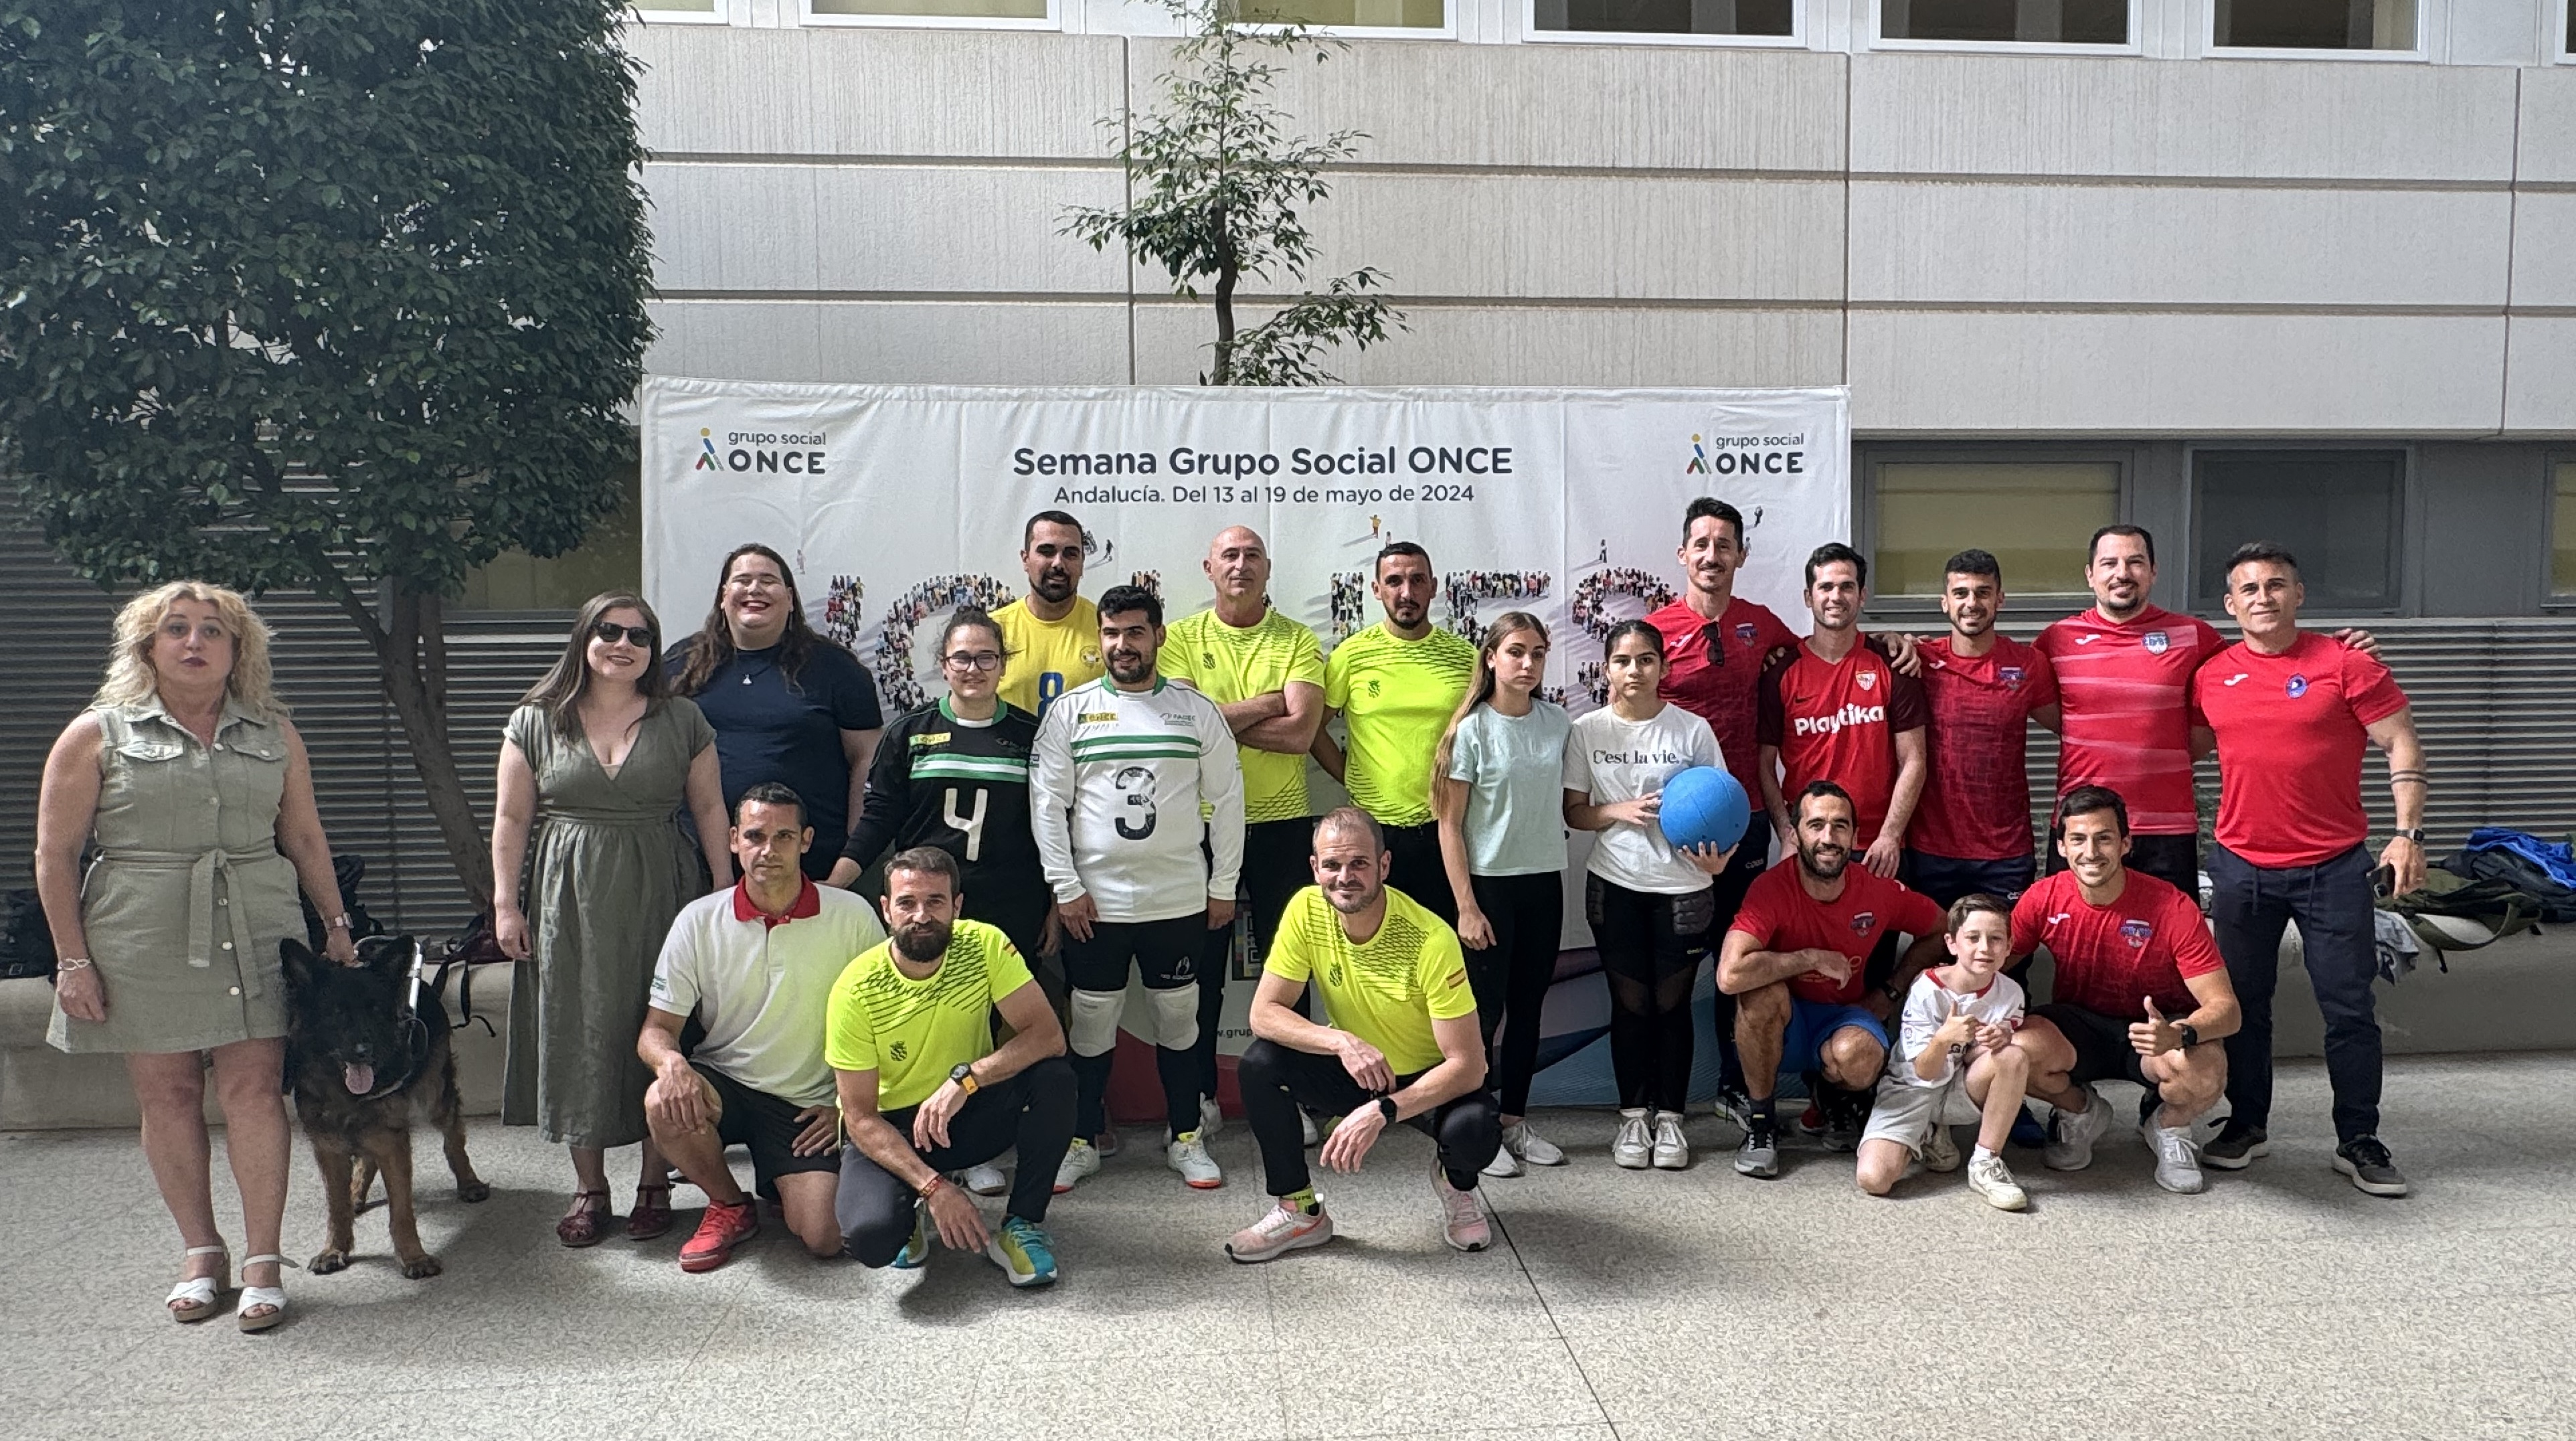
point(2111, 958)
point(1713, 669)
point(1780, 916)
point(2128, 711)
point(1838, 721)
point(2291, 731)
point(1976, 800)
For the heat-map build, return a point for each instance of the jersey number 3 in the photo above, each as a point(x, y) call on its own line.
point(1136, 783)
point(971, 825)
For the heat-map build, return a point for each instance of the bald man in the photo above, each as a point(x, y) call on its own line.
point(1266, 674)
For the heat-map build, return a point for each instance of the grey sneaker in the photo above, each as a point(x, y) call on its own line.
point(1672, 1149)
point(2235, 1148)
point(2367, 1162)
point(2071, 1134)
point(1633, 1149)
point(1759, 1156)
point(2177, 1159)
point(1941, 1152)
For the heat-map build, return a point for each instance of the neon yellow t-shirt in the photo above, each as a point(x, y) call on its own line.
point(1047, 657)
point(1387, 992)
point(1229, 663)
point(913, 1033)
point(1396, 697)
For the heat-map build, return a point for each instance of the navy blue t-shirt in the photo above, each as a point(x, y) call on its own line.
point(769, 730)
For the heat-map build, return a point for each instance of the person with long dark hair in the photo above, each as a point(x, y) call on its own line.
point(1648, 901)
point(594, 762)
point(787, 704)
point(1495, 781)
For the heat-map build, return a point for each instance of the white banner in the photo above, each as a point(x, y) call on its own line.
point(898, 503)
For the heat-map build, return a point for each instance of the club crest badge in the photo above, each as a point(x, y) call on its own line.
point(2295, 687)
point(1867, 680)
point(2137, 934)
point(2157, 642)
point(2010, 675)
point(1862, 922)
point(1745, 631)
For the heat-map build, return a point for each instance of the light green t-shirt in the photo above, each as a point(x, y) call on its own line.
point(913, 1033)
point(1229, 663)
point(1396, 697)
point(1388, 991)
point(1514, 769)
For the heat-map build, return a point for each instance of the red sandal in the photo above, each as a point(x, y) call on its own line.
point(649, 1219)
point(581, 1226)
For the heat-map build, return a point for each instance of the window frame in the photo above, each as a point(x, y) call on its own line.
point(2553, 601)
point(2018, 605)
point(1052, 21)
point(2205, 37)
point(2562, 37)
point(643, 12)
point(1448, 29)
point(1878, 39)
point(2406, 596)
point(1796, 39)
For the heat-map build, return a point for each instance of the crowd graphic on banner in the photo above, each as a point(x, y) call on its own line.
point(1592, 612)
point(1348, 604)
point(898, 675)
point(1467, 587)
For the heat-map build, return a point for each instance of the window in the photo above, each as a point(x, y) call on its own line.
point(611, 559)
point(967, 11)
point(2023, 22)
point(1776, 19)
point(2313, 25)
point(2562, 533)
point(1349, 14)
point(703, 12)
point(2336, 510)
point(2035, 516)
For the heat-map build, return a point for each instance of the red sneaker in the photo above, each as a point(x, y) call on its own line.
point(723, 1228)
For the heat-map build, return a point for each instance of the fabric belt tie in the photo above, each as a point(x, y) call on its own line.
point(203, 867)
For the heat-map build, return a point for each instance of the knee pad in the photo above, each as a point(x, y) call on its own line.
point(1176, 1017)
point(1093, 1030)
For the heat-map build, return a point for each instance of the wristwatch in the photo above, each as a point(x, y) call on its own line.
point(2412, 833)
point(2190, 1034)
point(964, 1076)
point(1386, 1107)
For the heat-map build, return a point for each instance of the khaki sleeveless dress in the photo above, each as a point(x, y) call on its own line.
point(189, 897)
point(607, 870)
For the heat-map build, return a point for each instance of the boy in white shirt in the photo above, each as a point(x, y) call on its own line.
point(1957, 1031)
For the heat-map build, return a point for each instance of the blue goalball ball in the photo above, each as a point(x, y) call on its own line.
point(1704, 806)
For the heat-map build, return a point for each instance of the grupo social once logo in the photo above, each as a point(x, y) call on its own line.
point(761, 452)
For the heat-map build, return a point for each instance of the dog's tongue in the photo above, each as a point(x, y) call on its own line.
point(361, 1079)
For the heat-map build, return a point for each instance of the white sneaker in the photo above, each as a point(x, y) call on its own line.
point(1080, 1159)
point(1941, 1153)
point(2071, 1134)
point(1532, 1147)
point(1672, 1149)
point(1211, 1118)
point(1505, 1165)
point(1462, 1221)
point(1633, 1149)
point(985, 1180)
point(2177, 1156)
point(1188, 1155)
point(1991, 1179)
point(1306, 1127)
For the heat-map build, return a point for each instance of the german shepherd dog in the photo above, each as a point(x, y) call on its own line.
point(366, 1054)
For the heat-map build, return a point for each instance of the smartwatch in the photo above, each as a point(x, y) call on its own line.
point(2190, 1034)
point(964, 1076)
point(2412, 833)
point(1386, 1107)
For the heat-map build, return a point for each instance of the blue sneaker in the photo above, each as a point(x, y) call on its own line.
point(2027, 1131)
point(1021, 1249)
point(917, 1250)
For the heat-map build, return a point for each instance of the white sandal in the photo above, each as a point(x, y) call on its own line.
point(273, 1297)
point(194, 1298)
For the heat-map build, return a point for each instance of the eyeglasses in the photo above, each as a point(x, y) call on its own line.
point(973, 660)
point(636, 635)
point(755, 582)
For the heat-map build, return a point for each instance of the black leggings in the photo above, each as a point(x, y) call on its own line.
point(1277, 1080)
point(1274, 871)
point(1511, 977)
point(1032, 1110)
point(1650, 947)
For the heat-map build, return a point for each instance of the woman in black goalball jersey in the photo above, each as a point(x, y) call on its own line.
point(955, 774)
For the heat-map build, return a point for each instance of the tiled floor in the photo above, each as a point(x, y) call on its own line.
point(2283, 1303)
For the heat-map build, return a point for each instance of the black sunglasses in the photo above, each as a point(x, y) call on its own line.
point(636, 635)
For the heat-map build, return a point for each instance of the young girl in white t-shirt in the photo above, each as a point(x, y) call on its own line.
point(1649, 904)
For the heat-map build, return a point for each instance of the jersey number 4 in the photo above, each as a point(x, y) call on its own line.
point(972, 826)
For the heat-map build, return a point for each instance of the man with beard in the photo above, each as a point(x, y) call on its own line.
point(1266, 674)
point(1971, 835)
point(924, 1091)
point(1396, 685)
point(1051, 636)
point(2140, 995)
point(1794, 961)
point(754, 967)
point(1404, 1045)
point(1123, 771)
point(1836, 708)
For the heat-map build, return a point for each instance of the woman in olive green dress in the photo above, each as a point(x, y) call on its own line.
point(597, 761)
point(197, 791)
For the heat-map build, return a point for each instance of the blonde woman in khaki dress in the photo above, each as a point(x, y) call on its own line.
point(198, 793)
point(596, 763)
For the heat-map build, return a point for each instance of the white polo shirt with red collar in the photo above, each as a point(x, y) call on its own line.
point(760, 984)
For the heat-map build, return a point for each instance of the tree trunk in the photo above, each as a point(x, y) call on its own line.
point(411, 656)
point(1226, 274)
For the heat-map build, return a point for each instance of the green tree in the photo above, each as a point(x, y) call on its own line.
point(1215, 182)
point(337, 295)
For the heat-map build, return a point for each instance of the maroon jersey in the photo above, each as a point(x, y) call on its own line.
point(1976, 800)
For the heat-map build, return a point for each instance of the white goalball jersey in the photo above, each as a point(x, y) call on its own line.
point(1119, 782)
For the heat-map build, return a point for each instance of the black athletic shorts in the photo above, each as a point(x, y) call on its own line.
point(766, 1125)
point(2102, 1049)
point(1165, 953)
